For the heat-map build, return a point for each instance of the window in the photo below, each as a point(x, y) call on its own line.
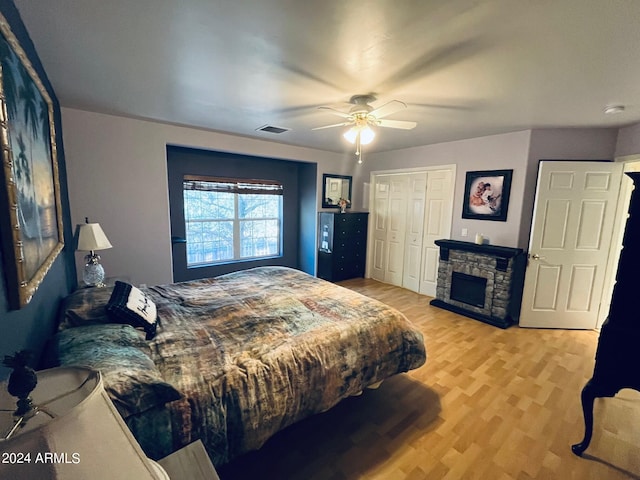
point(231, 219)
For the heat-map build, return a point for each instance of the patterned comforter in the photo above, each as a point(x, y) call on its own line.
point(255, 351)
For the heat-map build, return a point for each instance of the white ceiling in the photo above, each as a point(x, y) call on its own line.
point(464, 68)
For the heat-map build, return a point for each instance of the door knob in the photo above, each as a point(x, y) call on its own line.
point(535, 256)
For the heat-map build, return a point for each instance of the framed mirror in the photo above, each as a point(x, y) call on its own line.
point(335, 187)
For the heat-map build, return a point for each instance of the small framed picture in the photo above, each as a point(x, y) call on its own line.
point(486, 195)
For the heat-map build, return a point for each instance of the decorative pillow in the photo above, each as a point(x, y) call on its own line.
point(85, 306)
point(129, 304)
point(121, 355)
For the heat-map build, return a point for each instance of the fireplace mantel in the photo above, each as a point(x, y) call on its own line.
point(493, 250)
point(502, 269)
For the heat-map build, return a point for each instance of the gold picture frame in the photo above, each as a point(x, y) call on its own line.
point(30, 206)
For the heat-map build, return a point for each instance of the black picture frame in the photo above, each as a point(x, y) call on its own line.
point(31, 213)
point(487, 203)
point(335, 187)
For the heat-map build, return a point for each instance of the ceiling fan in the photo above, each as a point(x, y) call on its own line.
point(362, 116)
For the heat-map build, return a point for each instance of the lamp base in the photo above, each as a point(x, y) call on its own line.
point(93, 274)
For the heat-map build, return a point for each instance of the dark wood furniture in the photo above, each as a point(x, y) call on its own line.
point(616, 365)
point(342, 245)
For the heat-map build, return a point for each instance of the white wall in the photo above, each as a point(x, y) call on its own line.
point(628, 141)
point(495, 152)
point(519, 151)
point(117, 176)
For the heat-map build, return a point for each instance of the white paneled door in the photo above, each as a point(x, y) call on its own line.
point(415, 226)
point(438, 214)
point(378, 229)
point(569, 245)
point(388, 229)
point(397, 222)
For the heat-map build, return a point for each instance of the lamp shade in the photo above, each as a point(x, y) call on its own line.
point(91, 237)
point(77, 434)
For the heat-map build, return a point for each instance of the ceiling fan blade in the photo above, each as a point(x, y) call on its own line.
point(388, 108)
point(446, 106)
point(435, 60)
point(335, 112)
point(404, 125)
point(313, 76)
point(343, 124)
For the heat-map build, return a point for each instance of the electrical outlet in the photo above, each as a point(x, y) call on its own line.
point(465, 232)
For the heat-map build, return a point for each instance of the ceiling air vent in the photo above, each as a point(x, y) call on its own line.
point(272, 129)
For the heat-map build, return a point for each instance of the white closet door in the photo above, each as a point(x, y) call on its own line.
point(438, 213)
point(396, 232)
point(415, 222)
point(409, 212)
point(379, 226)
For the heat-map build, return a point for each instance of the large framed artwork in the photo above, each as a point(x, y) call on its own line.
point(486, 195)
point(30, 208)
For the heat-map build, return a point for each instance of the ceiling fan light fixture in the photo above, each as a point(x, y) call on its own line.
point(362, 116)
point(351, 134)
point(367, 135)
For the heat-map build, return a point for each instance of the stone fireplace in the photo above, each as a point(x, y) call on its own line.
point(483, 282)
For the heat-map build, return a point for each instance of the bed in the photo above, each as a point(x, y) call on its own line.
point(235, 358)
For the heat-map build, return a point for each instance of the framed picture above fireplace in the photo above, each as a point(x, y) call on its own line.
point(486, 195)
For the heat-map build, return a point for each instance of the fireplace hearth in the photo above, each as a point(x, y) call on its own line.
point(483, 282)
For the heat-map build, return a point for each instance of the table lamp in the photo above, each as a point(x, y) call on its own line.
point(71, 432)
point(90, 239)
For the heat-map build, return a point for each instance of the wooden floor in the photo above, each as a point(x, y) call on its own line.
point(488, 404)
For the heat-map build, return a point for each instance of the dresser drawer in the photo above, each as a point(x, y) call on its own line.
point(346, 234)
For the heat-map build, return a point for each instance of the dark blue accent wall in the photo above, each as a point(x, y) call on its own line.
point(31, 326)
point(299, 205)
point(308, 198)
